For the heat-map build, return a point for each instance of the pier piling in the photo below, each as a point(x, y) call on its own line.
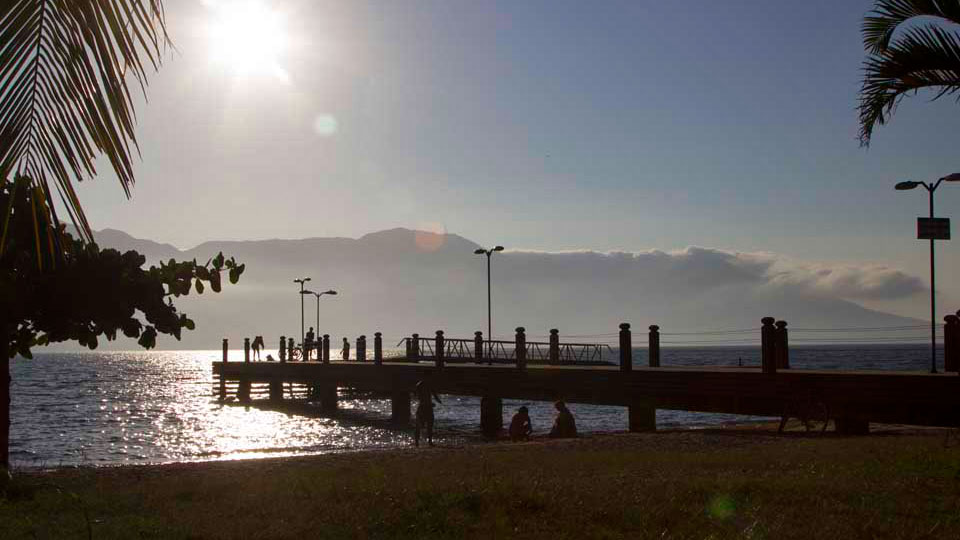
point(782, 346)
point(491, 416)
point(223, 380)
point(521, 349)
point(626, 348)
point(377, 348)
point(439, 346)
point(326, 348)
point(768, 345)
point(951, 343)
point(653, 350)
point(400, 407)
point(478, 346)
point(554, 346)
point(246, 350)
point(283, 349)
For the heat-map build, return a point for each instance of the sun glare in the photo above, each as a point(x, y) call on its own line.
point(248, 37)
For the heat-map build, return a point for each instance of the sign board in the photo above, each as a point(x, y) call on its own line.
point(933, 228)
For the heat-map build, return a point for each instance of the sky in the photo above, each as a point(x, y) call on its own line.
point(614, 126)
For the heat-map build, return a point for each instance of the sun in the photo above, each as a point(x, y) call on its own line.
point(248, 37)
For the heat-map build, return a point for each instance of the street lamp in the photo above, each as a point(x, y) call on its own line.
point(488, 253)
point(301, 281)
point(318, 295)
point(931, 187)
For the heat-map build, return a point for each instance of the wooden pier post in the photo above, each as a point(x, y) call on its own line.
point(223, 380)
point(491, 416)
point(283, 349)
point(328, 398)
point(414, 348)
point(554, 346)
point(653, 350)
point(439, 345)
point(782, 346)
point(362, 349)
point(521, 349)
point(951, 343)
point(276, 390)
point(377, 348)
point(642, 416)
point(768, 345)
point(326, 348)
point(246, 350)
point(400, 407)
point(626, 347)
point(478, 346)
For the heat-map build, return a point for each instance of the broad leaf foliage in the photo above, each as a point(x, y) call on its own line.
point(64, 96)
point(911, 45)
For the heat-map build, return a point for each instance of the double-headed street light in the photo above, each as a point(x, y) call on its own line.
point(301, 281)
point(932, 229)
point(488, 253)
point(318, 295)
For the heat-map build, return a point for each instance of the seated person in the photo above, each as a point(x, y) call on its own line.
point(520, 427)
point(564, 426)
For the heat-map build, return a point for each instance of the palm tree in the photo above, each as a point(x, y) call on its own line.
point(64, 96)
point(924, 54)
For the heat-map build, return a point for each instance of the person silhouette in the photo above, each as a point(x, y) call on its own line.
point(346, 349)
point(564, 426)
point(257, 345)
point(425, 418)
point(308, 345)
point(520, 426)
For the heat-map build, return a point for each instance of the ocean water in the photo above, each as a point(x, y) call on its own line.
point(117, 408)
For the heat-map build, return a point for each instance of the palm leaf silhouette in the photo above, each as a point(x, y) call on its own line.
point(924, 55)
point(64, 96)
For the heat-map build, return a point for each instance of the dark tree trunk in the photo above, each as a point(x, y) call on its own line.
point(4, 406)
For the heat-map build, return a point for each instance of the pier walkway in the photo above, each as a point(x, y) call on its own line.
point(852, 399)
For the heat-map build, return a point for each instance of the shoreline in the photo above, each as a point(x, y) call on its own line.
point(719, 483)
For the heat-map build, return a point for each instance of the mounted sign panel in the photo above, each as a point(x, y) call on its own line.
point(933, 228)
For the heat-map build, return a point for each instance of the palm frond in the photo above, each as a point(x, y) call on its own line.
point(64, 96)
point(924, 57)
point(888, 15)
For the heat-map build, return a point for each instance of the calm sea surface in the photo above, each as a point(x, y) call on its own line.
point(116, 408)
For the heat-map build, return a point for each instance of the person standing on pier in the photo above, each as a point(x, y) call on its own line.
point(346, 349)
point(257, 345)
point(308, 346)
point(425, 397)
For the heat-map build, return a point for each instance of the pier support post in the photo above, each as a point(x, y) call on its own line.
point(377, 348)
point(642, 416)
point(283, 349)
point(414, 348)
point(400, 408)
point(246, 350)
point(326, 348)
point(783, 346)
point(276, 390)
point(521, 350)
point(554, 346)
point(951, 343)
point(328, 398)
point(626, 347)
point(223, 380)
point(478, 346)
point(852, 426)
point(491, 416)
point(439, 346)
point(768, 345)
point(653, 350)
point(362, 349)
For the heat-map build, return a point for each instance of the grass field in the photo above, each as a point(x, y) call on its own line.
point(731, 483)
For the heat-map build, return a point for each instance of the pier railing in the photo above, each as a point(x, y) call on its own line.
point(502, 351)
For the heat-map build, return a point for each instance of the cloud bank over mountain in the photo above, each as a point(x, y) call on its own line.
point(401, 281)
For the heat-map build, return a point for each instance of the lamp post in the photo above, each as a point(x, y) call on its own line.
point(301, 281)
point(930, 187)
point(318, 295)
point(488, 253)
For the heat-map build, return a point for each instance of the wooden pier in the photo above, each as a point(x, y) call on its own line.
point(852, 399)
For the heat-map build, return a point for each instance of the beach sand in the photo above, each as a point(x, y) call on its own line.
point(734, 482)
